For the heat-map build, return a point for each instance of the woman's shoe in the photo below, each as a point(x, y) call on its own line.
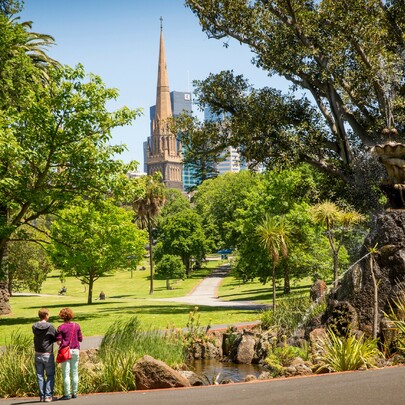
point(64, 398)
point(74, 396)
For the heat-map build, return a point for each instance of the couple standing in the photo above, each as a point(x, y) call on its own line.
point(67, 334)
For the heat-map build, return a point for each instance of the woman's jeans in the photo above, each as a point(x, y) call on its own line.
point(71, 368)
point(45, 365)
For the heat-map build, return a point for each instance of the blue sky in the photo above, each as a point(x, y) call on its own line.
point(119, 41)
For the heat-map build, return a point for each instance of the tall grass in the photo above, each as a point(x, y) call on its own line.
point(290, 314)
point(17, 368)
point(106, 370)
point(124, 343)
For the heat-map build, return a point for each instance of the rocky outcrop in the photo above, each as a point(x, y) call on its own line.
point(4, 300)
point(150, 373)
point(318, 291)
point(354, 295)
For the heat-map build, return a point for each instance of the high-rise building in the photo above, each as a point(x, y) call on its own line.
point(232, 160)
point(163, 150)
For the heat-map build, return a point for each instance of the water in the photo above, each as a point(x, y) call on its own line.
point(212, 369)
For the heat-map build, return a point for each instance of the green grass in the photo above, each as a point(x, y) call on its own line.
point(233, 289)
point(125, 297)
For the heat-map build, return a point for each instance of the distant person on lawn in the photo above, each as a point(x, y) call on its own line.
point(69, 334)
point(44, 337)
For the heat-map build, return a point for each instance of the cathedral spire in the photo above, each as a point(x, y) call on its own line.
point(163, 105)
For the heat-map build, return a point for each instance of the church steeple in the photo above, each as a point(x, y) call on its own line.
point(163, 152)
point(163, 105)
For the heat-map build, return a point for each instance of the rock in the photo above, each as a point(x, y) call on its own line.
point(316, 338)
point(341, 317)
point(250, 377)
point(244, 348)
point(318, 291)
point(265, 375)
point(192, 377)
point(150, 373)
point(4, 299)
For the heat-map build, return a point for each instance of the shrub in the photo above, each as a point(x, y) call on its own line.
point(348, 353)
point(281, 357)
point(397, 318)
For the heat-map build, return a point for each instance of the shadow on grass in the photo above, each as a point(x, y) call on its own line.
point(151, 310)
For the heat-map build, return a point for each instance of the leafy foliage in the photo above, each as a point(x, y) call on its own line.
point(182, 235)
point(90, 241)
point(28, 263)
point(346, 55)
point(348, 353)
point(170, 267)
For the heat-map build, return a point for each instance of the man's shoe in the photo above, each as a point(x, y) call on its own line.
point(74, 396)
point(64, 398)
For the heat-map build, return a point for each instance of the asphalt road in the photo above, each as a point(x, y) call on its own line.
point(372, 387)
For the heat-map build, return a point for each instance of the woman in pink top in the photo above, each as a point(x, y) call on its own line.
point(69, 334)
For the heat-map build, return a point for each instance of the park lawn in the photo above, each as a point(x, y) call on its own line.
point(233, 289)
point(125, 297)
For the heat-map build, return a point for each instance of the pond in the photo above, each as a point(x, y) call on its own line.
point(214, 369)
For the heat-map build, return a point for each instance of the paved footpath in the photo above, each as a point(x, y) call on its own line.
point(206, 293)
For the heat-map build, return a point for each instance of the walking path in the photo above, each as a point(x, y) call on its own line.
point(206, 293)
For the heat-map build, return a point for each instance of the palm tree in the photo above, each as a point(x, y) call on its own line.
point(34, 45)
point(146, 207)
point(273, 234)
point(337, 223)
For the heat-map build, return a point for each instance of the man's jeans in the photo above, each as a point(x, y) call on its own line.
point(45, 364)
point(71, 368)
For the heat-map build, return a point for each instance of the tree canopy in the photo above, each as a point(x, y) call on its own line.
point(348, 58)
point(57, 147)
point(92, 240)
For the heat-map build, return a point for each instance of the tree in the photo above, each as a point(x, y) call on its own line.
point(346, 56)
point(273, 234)
point(182, 235)
point(28, 263)
point(202, 145)
point(147, 206)
point(219, 201)
point(56, 146)
point(93, 240)
point(170, 267)
point(338, 223)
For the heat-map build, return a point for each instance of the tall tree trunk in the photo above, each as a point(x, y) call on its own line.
point(90, 293)
point(186, 262)
point(375, 298)
point(167, 284)
point(274, 288)
point(151, 291)
point(335, 268)
point(287, 286)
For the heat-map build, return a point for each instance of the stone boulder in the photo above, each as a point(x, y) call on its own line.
point(150, 373)
point(243, 348)
point(316, 339)
point(318, 291)
point(4, 299)
point(192, 377)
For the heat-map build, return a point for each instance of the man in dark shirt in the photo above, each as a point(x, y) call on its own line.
point(44, 337)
